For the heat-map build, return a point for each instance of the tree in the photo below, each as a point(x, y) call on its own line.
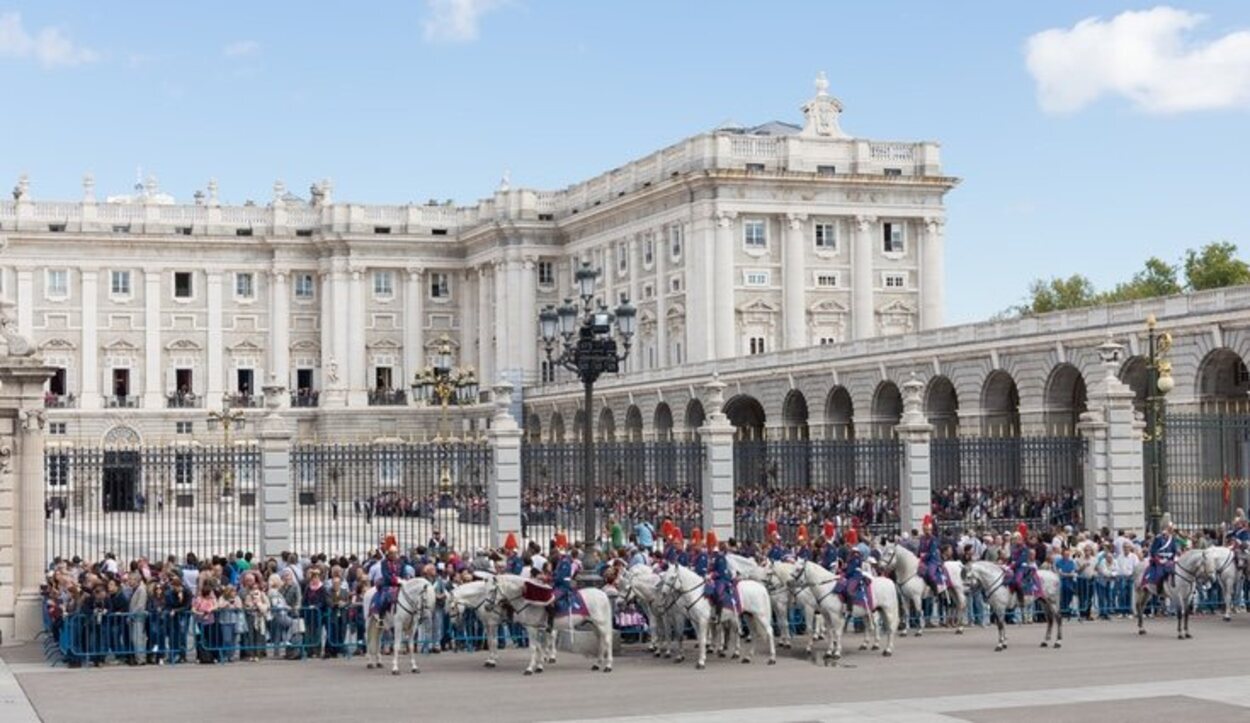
point(1215, 266)
point(1058, 294)
point(1158, 278)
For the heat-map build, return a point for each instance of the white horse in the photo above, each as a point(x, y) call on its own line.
point(1225, 570)
point(1191, 567)
point(783, 599)
point(640, 584)
point(752, 598)
point(992, 579)
point(482, 598)
point(903, 564)
point(821, 583)
point(414, 607)
point(533, 616)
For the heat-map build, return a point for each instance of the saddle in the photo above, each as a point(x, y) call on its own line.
point(537, 592)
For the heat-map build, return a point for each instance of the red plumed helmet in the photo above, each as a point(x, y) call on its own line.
point(928, 521)
point(562, 540)
point(829, 529)
point(711, 539)
point(770, 530)
point(1023, 529)
point(666, 528)
point(852, 537)
point(390, 541)
point(696, 536)
point(677, 538)
point(510, 543)
point(803, 532)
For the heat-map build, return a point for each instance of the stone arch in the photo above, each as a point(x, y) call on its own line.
point(1064, 400)
point(695, 417)
point(122, 435)
point(1222, 379)
point(887, 409)
point(839, 414)
point(579, 425)
point(1135, 372)
point(633, 424)
point(1000, 405)
point(556, 432)
point(794, 415)
point(747, 414)
point(941, 407)
point(533, 428)
point(662, 422)
point(607, 425)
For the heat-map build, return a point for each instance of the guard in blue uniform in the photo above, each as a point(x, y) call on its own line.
point(829, 556)
point(1163, 552)
point(390, 577)
point(852, 585)
point(721, 587)
point(1024, 582)
point(699, 561)
point(930, 552)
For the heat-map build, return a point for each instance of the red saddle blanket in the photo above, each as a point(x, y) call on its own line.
point(537, 592)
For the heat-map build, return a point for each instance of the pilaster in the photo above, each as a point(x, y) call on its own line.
point(862, 282)
point(414, 325)
point(275, 455)
point(505, 488)
point(152, 376)
point(916, 478)
point(932, 274)
point(724, 308)
point(216, 374)
point(89, 385)
point(280, 331)
point(357, 355)
point(794, 282)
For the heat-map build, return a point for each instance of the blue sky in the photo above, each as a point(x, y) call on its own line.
point(1118, 159)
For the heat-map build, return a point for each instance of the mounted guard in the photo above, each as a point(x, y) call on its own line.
point(1163, 551)
point(930, 554)
point(852, 585)
point(1025, 580)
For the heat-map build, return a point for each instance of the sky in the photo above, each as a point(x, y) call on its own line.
point(1089, 135)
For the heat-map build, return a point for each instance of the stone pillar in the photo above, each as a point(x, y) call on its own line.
point(414, 327)
point(23, 557)
point(342, 330)
point(331, 364)
point(1114, 489)
point(915, 479)
point(152, 373)
point(662, 356)
point(699, 250)
point(469, 350)
point(505, 486)
point(527, 329)
point(794, 282)
point(718, 464)
point(280, 332)
point(357, 364)
point(216, 374)
point(486, 326)
point(724, 309)
point(932, 274)
point(275, 460)
point(89, 386)
point(862, 283)
point(501, 315)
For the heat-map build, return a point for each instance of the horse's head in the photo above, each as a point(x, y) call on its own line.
point(798, 578)
point(455, 610)
point(967, 573)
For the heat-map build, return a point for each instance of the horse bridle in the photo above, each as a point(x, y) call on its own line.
point(402, 597)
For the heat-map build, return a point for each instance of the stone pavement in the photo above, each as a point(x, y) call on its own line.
point(1104, 673)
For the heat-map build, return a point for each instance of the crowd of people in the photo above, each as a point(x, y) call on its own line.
point(980, 506)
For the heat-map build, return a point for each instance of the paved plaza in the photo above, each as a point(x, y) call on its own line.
point(1104, 673)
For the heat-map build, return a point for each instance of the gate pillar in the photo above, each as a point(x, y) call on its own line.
point(275, 459)
point(916, 478)
point(718, 464)
point(1114, 487)
point(505, 487)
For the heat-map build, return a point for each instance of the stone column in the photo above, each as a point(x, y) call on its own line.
point(89, 386)
point(501, 315)
point(915, 478)
point(794, 281)
point(414, 326)
point(662, 356)
point(26, 302)
point(717, 435)
point(527, 329)
point(23, 557)
point(331, 363)
point(1114, 491)
point(280, 331)
point(357, 364)
point(469, 349)
point(932, 274)
point(275, 460)
point(216, 374)
point(486, 326)
point(505, 487)
point(724, 309)
point(862, 283)
point(153, 385)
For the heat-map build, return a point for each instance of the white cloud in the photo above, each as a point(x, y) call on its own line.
point(241, 49)
point(455, 21)
point(49, 46)
point(1145, 56)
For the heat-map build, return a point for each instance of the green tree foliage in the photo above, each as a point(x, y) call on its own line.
point(1159, 278)
point(1057, 294)
point(1215, 266)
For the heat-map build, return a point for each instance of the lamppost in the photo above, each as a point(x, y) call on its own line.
point(588, 351)
point(442, 383)
point(228, 419)
point(1159, 382)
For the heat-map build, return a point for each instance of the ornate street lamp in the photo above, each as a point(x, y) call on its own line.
point(444, 384)
point(228, 420)
point(1159, 383)
point(588, 349)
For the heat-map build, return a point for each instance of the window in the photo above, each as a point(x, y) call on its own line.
point(184, 427)
point(648, 291)
point(304, 286)
point(546, 273)
point(826, 237)
point(674, 284)
point(648, 250)
point(244, 285)
point(755, 168)
point(438, 232)
point(58, 468)
point(183, 286)
point(303, 232)
point(184, 468)
point(754, 234)
point(894, 281)
point(546, 217)
point(438, 286)
point(826, 170)
point(757, 345)
point(827, 340)
point(383, 283)
point(755, 278)
point(183, 230)
point(243, 232)
point(119, 283)
point(675, 240)
point(548, 372)
point(56, 228)
point(622, 257)
point(121, 228)
point(893, 171)
point(56, 385)
point(826, 280)
point(59, 429)
point(58, 282)
point(677, 353)
point(382, 230)
point(892, 237)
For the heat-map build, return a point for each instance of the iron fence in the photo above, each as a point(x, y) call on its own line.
point(1002, 481)
point(150, 501)
point(805, 482)
point(635, 483)
point(345, 498)
point(1207, 468)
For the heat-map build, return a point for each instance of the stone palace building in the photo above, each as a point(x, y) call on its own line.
point(735, 242)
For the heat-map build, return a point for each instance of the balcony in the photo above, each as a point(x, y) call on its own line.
point(122, 401)
point(59, 401)
point(305, 398)
point(245, 401)
point(183, 400)
point(388, 398)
